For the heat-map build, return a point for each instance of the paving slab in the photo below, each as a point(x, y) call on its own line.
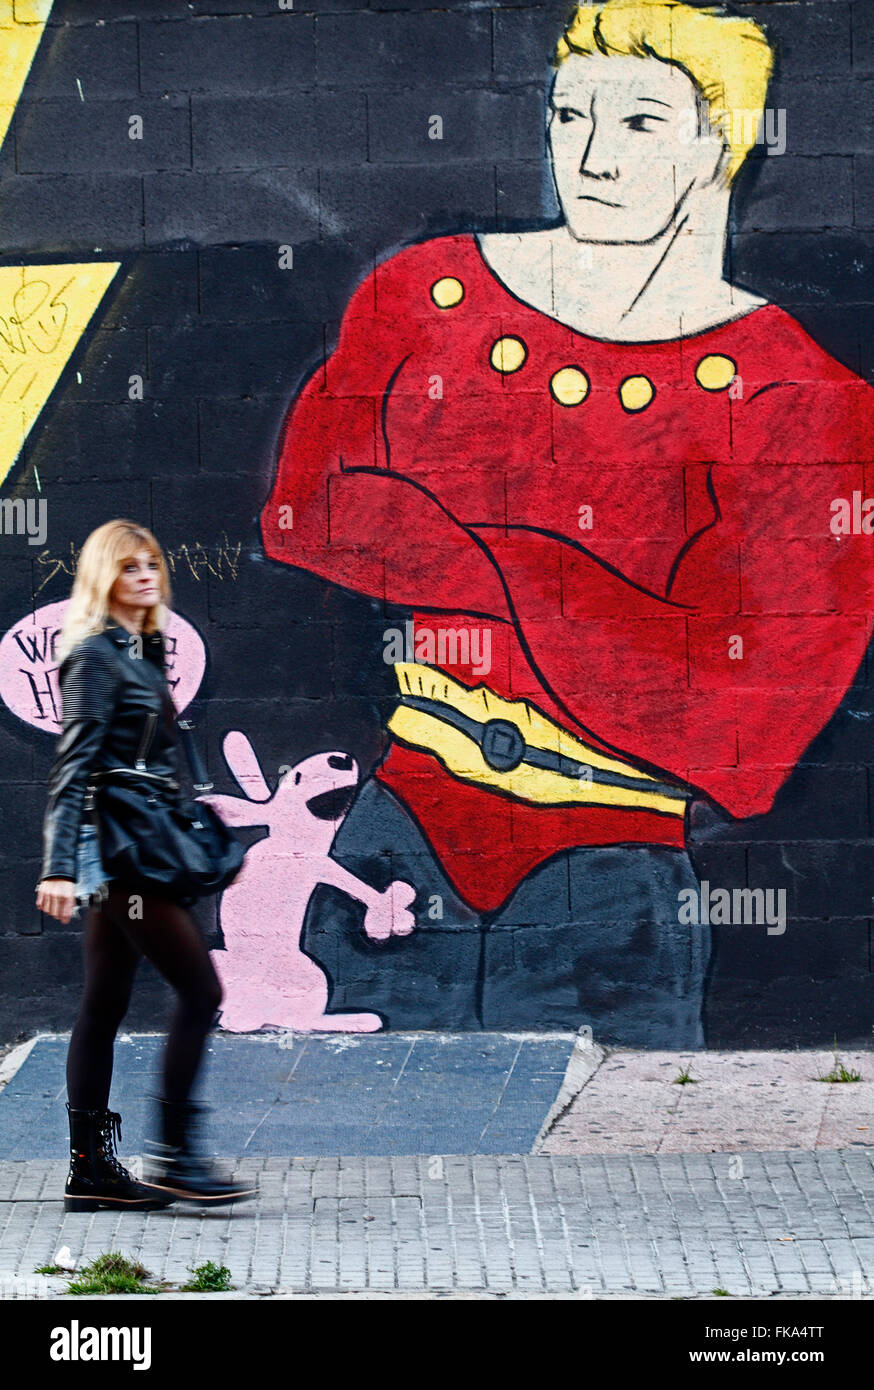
point(583, 1226)
point(632, 1102)
point(314, 1094)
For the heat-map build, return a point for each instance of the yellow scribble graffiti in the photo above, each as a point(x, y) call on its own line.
point(44, 310)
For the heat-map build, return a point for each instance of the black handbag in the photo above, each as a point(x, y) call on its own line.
point(155, 839)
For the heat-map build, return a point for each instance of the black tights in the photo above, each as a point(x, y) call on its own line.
point(113, 944)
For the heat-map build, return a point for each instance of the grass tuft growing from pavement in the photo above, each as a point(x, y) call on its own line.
point(112, 1273)
point(115, 1273)
point(685, 1078)
point(208, 1278)
point(839, 1072)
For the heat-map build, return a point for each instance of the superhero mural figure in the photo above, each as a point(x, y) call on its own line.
point(584, 453)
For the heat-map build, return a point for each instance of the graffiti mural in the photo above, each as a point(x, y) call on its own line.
point(29, 668)
point(510, 447)
point(268, 980)
point(584, 451)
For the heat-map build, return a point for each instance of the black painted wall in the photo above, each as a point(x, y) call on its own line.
point(267, 127)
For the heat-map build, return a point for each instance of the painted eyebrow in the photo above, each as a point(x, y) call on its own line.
point(559, 104)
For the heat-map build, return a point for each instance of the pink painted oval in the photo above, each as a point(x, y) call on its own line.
point(29, 671)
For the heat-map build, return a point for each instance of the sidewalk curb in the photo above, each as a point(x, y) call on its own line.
point(585, 1060)
point(14, 1059)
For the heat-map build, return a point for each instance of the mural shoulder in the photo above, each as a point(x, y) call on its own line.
point(425, 263)
point(402, 274)
point(795, 351)
point(796, 403)
point(427, 252)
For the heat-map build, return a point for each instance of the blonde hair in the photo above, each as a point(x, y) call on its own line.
point(101, 561)
point(727, 57)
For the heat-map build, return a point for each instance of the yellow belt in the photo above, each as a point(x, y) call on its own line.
point(510, 746)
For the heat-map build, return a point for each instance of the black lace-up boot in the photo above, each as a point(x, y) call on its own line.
point(179, 1170)
point(96, 1177)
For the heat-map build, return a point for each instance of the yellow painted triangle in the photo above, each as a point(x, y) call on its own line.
point(21, 27)
point(44, 310)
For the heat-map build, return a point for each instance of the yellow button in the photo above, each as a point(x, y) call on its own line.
point(569, 386)
point(508, 354)
point(715, 372)
point(448, 292)
point(636, 392)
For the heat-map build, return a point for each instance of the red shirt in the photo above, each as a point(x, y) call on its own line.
point(426, 465)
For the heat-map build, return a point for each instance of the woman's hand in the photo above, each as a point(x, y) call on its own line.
point(57, 897)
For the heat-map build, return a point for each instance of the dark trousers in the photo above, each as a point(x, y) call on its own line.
point(591, 938)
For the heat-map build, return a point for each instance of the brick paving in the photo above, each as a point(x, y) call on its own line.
point(678, 1225)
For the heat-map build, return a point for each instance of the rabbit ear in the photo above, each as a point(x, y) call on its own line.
point(240, 758)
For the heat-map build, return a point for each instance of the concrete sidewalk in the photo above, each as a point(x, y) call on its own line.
point(635, 1102)
point(474, 1165)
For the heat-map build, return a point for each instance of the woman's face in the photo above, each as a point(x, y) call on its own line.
point(627, 151)
point(139, 584)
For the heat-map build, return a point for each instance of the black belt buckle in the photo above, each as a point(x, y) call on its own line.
point(503, 747)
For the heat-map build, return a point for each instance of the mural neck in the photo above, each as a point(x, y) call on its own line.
point(664, 288)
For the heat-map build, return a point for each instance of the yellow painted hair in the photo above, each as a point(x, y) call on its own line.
point(727, 57)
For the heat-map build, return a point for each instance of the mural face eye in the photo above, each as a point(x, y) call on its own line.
point(644, 122)
point(296, 778)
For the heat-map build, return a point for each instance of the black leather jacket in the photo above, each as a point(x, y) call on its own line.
point(109, 683)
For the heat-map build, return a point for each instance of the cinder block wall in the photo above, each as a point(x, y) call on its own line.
point(308, 128)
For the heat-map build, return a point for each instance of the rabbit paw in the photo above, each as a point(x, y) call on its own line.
point(391, 915)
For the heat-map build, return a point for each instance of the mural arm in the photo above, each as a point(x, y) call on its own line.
point(724, 683)
point(338, 510)
point(387, 912)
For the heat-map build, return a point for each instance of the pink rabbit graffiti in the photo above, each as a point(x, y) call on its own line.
point(268, 979)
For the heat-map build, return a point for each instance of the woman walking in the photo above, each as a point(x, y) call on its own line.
point(112, 678)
